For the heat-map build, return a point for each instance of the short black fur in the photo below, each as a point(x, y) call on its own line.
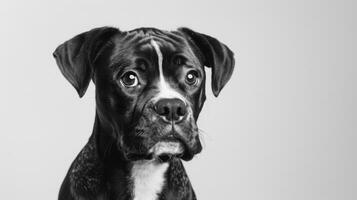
point(124, 131)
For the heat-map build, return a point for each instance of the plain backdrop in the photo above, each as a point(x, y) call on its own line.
point(284, 127)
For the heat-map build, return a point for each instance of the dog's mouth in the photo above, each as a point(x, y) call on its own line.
point(165, 151)
point(162, 141)
point(162, 151)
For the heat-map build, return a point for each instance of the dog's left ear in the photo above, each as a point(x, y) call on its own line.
point(76, 56)
point(215, 55)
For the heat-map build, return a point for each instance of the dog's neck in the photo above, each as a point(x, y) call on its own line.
point(148, 178)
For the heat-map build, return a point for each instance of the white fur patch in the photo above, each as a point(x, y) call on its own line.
point(165, 90)
point(167, 147)
point(148, 179)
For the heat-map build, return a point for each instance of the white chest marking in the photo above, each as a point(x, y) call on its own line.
point(165, 90)
point(148, 179)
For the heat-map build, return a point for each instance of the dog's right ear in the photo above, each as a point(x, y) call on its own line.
point(76, 56)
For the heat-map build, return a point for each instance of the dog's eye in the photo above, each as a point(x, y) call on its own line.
point(129, 79)
point(192, 77)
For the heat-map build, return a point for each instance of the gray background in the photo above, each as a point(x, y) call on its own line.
point(283, 128)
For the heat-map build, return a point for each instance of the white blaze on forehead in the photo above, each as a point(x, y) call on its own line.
point(165, 90)
point(159, 59)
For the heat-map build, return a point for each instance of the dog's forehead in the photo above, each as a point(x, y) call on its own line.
point(138, 43)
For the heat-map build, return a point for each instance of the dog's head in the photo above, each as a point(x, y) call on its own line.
point(150, 84)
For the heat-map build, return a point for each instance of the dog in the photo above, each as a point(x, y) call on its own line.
point(149, 91)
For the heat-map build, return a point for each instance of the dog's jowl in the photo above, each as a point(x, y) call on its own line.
point(150, 89)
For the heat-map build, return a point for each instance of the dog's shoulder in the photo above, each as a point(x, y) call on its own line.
point(86, 174)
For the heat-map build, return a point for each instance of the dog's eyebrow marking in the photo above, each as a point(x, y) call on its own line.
point(165, 90)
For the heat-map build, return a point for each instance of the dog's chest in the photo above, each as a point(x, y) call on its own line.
point(148, 178)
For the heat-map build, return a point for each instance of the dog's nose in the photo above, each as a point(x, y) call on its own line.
point(171, 109)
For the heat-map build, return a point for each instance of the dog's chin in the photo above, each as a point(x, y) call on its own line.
point(162, 151)
point(165, 151)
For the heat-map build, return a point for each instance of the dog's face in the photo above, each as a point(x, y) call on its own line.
point(150, 85)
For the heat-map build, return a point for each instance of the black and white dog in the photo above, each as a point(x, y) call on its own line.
point(150, 89)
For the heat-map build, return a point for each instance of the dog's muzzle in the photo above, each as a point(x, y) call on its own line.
point(167, 129)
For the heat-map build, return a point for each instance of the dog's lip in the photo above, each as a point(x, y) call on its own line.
point(166, 150)
point(169, 147)
point(159, 154)
point(186, 152)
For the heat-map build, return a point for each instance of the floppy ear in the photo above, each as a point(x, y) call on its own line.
point(76, 56)
point(215, 55)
